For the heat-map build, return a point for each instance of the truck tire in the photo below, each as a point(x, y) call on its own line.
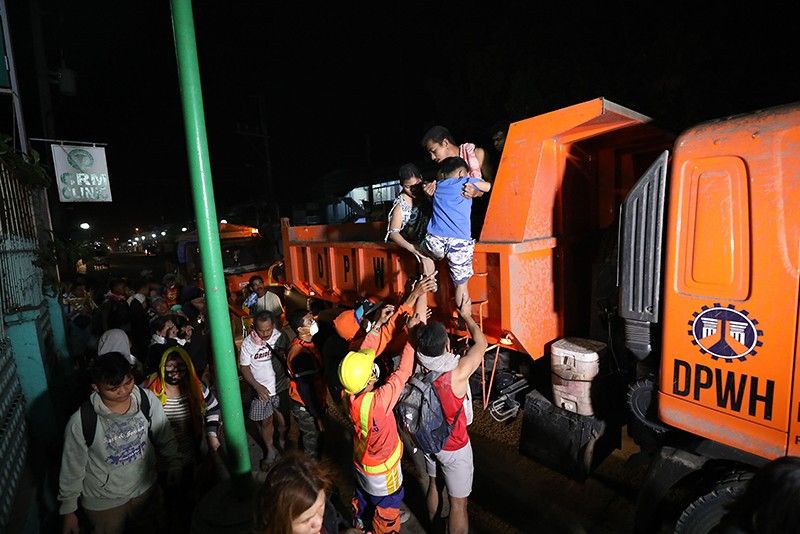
point(706, 512)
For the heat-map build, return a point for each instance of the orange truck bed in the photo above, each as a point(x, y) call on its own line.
point(561, 179)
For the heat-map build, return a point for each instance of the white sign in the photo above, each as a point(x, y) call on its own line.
point(81, 173)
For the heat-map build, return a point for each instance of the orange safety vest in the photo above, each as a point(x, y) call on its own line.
point(371, 463)
point(319, 384)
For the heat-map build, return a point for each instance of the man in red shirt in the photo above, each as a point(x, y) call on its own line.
point(455, 458)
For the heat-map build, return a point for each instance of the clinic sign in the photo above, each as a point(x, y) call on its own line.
point(81, 173)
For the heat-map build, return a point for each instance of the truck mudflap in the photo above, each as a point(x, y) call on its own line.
point(567, 442)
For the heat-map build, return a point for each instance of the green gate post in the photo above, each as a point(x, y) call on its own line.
point(208, 239)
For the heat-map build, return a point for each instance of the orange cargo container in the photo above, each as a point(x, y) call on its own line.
point(559, 184)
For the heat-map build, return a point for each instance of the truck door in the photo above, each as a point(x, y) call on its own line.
point(731, 283)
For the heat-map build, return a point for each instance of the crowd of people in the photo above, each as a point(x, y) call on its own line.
point(135, 448)
point(134, 452)
point(151, 418)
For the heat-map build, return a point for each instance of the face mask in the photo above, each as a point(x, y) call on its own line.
point(173, 379)
point(314, 328)
point(376, 371)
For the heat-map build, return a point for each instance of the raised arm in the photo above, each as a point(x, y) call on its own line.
point(426, 284)
point(472, 359)
point(385, 328)
point(388, 394)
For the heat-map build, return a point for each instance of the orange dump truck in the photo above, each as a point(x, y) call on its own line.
point(705, 253)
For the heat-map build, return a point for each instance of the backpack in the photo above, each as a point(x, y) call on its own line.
point(89, 418)
point(419, 411)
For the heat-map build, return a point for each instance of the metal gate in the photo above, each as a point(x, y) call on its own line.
point(20, 286)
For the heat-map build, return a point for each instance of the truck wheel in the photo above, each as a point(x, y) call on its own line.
point(644, 427)
point(706, 512)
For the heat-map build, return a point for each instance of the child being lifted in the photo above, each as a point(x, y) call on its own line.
point(449, 231)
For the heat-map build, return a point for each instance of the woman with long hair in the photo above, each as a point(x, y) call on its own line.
point(294, 499)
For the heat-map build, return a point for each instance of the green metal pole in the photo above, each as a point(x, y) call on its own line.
point(208, 239)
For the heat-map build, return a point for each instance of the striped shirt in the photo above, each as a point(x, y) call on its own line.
point(212, 410)
point(179, 415)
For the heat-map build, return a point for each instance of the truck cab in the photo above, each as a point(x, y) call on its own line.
point(710, 278)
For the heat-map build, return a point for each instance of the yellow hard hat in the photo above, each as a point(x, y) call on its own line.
point(356, 370)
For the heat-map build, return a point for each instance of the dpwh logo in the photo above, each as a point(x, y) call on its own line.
point(725, 332)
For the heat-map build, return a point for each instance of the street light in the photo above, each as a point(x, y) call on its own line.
point(184, 229)
point(153, 236)
point(224, 221)
point(163, 233)
point(84, 226)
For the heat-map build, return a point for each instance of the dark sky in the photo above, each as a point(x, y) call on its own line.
point(350, 86)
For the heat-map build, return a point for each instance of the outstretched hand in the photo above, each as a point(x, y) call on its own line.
point(386, 313)
point(465, 308)
point(425, 284)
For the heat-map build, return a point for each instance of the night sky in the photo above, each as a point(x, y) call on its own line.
point(352, 87)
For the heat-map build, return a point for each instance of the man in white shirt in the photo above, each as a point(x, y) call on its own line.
point(264, 300)
point(256, 360)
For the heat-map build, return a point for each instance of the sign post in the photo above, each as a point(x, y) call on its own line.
point(81, 173)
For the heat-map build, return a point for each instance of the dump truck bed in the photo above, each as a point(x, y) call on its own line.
point(560, 181)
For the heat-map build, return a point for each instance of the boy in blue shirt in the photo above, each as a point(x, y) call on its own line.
point(449, 231)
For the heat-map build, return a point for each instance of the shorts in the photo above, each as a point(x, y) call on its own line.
point(457, 468)
point(457, 251)
point(263, 409)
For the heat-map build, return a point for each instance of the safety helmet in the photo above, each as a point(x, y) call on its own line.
point(355, 370)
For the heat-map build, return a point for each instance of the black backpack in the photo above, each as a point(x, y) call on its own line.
point(419, 411)
point(89, 418)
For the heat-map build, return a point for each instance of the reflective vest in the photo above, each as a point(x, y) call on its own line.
point(372, 465)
